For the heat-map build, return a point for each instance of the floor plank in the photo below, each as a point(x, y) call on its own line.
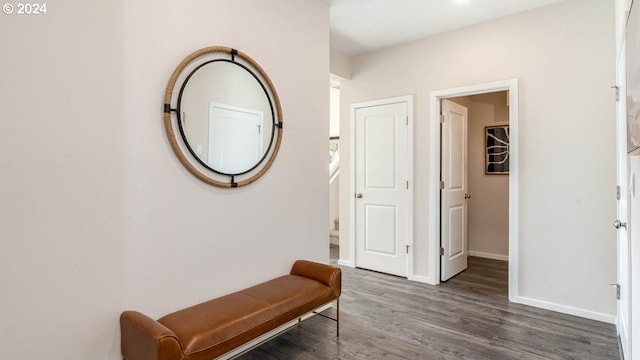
point(468, 317)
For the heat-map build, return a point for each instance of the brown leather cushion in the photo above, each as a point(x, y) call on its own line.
point(219, 325)
point(290, 296)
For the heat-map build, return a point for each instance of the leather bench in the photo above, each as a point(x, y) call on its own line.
point(214, 329)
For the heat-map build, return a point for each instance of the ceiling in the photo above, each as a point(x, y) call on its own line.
point(359, 26)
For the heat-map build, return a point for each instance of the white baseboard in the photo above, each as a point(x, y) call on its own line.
point(587, 314)
point(346, 263)
point(488, 255)
point(421, 279)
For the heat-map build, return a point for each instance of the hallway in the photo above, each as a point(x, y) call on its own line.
point(468, 317)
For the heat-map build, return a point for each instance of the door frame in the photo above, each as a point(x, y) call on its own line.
point(435, 98)
point(352, 176)
point(623, 212)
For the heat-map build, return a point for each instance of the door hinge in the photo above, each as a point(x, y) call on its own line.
point(441, 118)
point(407, 184)
point(617, 92)
point(618, 192)
point(441, 251)
point(407, 248)
point(617, 286)
point(441, 185)
point(407, 120)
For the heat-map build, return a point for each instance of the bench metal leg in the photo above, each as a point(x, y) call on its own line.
point(338, 317)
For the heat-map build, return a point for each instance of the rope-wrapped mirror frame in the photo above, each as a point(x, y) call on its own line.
point(204, 175)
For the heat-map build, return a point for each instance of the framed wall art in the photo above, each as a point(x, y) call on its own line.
point(496, 150)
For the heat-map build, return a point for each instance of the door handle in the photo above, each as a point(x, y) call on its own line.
point(358, 195)
point(467, 196)
point(618, 224)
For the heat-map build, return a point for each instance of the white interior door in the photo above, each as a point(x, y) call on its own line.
point(454, 193)
point(381, 185)
point(235, 138)
point(624, 253)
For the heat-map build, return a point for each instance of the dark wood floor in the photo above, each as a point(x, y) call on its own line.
point(468, 317)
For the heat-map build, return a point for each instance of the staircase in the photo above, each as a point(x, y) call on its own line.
point(334, 189)
point(334, 235)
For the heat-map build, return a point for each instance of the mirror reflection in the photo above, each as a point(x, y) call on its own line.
point(225, 117)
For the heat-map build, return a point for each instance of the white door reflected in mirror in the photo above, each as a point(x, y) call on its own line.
point(235, 138)
point(222, 105)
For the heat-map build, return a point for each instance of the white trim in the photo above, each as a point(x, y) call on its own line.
point(410, 175)
point(485, 255)
point(420, 278)
point(587, 314)
point(434, 189)
point(352, 187)
point(434, 177)
point(346, 263)
point(410, 187)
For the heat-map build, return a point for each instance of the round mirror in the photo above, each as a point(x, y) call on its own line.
point(228, 115)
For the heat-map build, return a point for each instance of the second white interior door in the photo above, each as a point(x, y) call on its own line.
point(381, 184)
point(454, 193)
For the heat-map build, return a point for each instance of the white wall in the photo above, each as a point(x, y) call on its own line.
point(563, 56)
point(340, 65)
point(98, 216)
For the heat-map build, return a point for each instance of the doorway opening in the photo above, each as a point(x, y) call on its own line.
point(475, 196)
point(485, 92)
